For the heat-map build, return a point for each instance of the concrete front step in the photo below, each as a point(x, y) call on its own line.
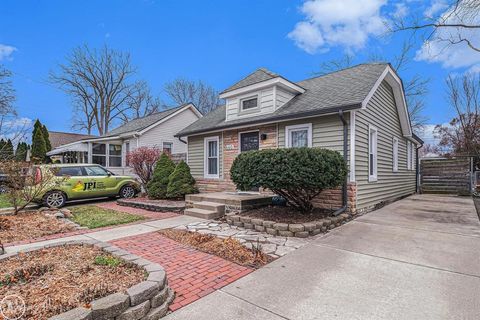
point(211, 206)
point(202, 213)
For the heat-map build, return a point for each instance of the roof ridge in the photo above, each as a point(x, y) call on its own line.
point(351, 67)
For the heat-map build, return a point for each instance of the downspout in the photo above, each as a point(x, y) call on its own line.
point(417, 169)
point(180, 138)
point(345, 157)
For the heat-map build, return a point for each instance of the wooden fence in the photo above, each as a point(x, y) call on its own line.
point(446, 175)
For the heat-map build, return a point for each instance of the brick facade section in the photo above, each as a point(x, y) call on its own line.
point(328, 199)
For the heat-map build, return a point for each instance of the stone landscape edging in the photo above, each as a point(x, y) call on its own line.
point(149, 206)
point(299, 230)
point(147, 300)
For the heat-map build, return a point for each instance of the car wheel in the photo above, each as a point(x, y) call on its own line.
point(3, 189)
point(127, 192)
point(54, 199)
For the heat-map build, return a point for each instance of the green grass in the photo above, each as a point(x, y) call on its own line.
point(4, 202)
point(95, 217)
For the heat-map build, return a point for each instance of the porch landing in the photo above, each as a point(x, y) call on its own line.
point(215, 204)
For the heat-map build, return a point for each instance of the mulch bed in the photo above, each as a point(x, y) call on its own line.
point(30, 225)
point(228, 249)
point(55, 280)
point(286, 214)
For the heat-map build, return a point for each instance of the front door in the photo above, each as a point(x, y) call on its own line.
point(249, 141)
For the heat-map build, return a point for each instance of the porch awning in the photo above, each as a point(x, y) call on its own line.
point(73, 147)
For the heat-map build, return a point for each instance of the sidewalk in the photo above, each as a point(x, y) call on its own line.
point(114, 233)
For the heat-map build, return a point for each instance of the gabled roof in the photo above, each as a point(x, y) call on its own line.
point(257, 76)
point(58, 138)
point(142, 123)
point(345, 89)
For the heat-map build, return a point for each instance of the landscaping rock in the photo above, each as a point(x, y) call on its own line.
point(257, 222)
point(248, 225)
point(268, 224)
point(245, 219)
point(310, 226)
point(158, 312)
point(160, 298)
point(59, 215)
point(259, 228)
point(136, 312)
point(142, 291)
point(281, 226)
point(67, 213)
point(74, 314)
point(286, 233)
point(238, 223)
point(152, 267)
point(158, 276)
point(271, 231)
point(235, 218)
point(301, 234)
point(296, 227)
point(315, 232)
point(110, 306)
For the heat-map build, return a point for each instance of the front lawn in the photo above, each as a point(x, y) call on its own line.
point(95, 217)
point(4, 202)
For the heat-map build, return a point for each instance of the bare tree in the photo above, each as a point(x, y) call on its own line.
point(7, 93)
point(99, 83)
point(454, 26)
point(141, 103)
point(462, 134)
point(203, 96)
point(416, 87)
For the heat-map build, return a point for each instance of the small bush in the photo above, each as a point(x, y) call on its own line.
point(297, 174)
point(157, 187)
point(107, 261)
point(142, 160)
point(181, 182)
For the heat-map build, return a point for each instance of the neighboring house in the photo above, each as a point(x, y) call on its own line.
point(265, 110)
point(58, 139)
point(110, 150)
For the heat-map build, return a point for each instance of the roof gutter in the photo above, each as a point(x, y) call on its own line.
point(345, 157)
point(275, 119)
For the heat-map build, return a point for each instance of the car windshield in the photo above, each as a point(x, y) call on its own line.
point(96, 171)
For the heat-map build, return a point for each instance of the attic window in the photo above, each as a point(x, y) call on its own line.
point(249, 103)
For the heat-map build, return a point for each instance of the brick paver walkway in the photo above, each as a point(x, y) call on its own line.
point(142, 212)
point(191, 273)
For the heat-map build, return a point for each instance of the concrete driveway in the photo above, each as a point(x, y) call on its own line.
point(418, 258)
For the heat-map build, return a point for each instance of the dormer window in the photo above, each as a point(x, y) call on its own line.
point(249, 103)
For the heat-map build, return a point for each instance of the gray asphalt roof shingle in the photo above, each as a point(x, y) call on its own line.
point(343, 89)
point(142, 123)
point(257, 76)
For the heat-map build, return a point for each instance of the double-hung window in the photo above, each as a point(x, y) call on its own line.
point(409, 155)
point(395, 154)
point(298, 136)
point(212, 158)
point(99, 154)
point(114, 155)
point(372, 153)
point(167, 147)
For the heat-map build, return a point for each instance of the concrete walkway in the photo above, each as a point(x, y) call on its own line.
point(115, 233)
point(418, 258)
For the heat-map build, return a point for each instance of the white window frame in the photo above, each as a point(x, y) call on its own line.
point(240, 103)
point(409, 155)
point(373, 149)
point(114, 156)
point(167, 141)
point(206, 140)
point(413, 156)
point(298, 127)
point(395, 154)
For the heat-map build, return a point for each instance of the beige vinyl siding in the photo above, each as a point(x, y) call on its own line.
point(196, 159)
point(282, 97)
point(327, 132)
point(265, 99)
point(165, 131)
point(381, 113)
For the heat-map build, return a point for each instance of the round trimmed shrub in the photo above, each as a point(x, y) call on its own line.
point(157, 187)
point(181, 182)
point(297, 174)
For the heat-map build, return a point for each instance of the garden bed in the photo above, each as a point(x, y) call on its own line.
point(228, 249)
point(30, 225)
point(287, 222)
point(154, 205)
point(55, 280)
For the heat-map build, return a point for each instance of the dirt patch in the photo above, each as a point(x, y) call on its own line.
point(286, 214)
point(228, 249)
point(55, 280)
point(30, 225)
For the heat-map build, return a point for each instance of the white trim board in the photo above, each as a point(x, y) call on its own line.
point(352, 146)
point(285, 84)
point(299, 126)
point(205, 157)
